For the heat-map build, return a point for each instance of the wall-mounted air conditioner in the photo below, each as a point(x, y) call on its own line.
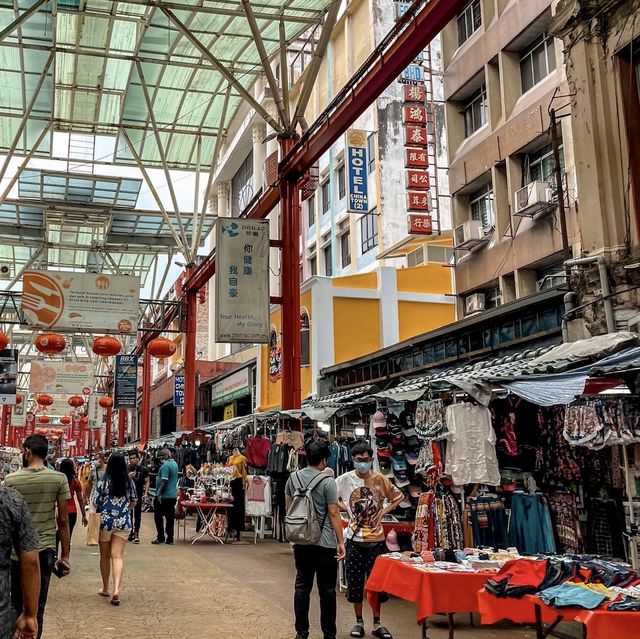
point(474, 303)
point(533, 198)
point(469, 234)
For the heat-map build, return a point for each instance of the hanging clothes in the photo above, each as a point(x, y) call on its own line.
point(258, 496)
point(488, 521)
point(257, 451)
point(564, 514)
point(430, 420)
point(471, 451)
point(530, 528)
point(438, 522)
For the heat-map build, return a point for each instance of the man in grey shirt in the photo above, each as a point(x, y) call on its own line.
point(319, 560)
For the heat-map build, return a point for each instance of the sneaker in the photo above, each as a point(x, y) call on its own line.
point(136, 539)
point(169, 543)
point(157, 542)
point(131, 537)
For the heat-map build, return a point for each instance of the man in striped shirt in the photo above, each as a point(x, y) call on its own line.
point(46, 493)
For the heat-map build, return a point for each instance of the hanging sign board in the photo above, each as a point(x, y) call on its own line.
point(178, 390)
point(70, 378)
point(94, 412)
point(90, 302)
point(29, 425)
point(8, 376)
point(418, 201)
point(357, 172)
point(419, 224)
point(232, 387)
point(126, 381)
point(242, 281)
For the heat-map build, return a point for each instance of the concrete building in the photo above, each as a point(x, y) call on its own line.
point(503, 74)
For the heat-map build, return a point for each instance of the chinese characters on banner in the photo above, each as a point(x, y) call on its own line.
point(357, 172)
point(419, 224)
point(242, 281)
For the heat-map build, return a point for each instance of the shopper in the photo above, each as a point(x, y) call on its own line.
point(18, 534)
point(75, 488)
point(46, 493)
point(139, 473)
point(95, 476)
point(115, 497)
point(362, 494)
point(164, 506)
point(319, 561)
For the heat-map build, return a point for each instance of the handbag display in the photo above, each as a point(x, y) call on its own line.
point(93, 529)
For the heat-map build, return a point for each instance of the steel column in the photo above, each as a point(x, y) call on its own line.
point(145, 416)
point(290, 287)
point(107, 433)
point(190, 375)
point(122, 424)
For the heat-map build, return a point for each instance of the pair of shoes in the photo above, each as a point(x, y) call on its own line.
point(169, 543)
point(136, 538)
point(157, 542)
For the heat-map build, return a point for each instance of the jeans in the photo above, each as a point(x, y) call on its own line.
point(47, 561)
point(321, 563)
point(165, 509)
point(137, 515)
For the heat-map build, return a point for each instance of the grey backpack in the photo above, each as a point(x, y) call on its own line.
point(301, 522)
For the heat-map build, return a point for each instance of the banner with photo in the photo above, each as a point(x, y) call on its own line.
point(70, 378)
point(91, 302)
point(8, 376)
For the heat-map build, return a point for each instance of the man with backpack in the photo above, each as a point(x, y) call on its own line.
point(314, 527)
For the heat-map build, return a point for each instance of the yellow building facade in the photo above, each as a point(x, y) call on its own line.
point(348, 317)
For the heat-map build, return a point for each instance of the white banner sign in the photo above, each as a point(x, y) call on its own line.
point(95, 412)
point(61, 377)
point(81, 301)
point(242, 281)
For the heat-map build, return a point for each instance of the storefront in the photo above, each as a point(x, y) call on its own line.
point(232, 395)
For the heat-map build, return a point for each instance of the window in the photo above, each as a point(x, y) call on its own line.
point(492, 297)
point(416, 257)
point(481, 205)
point(371, 153)
point(313, 266)
point(369, 231)
point(311, 210)
point(326, 196)
point(342, 184)
point(537, 61)
point(345, 249)
point(469, 21)
point(328, 259)
point(542, 165)
point(305, 350)
point(242, 187)
point(476, 111)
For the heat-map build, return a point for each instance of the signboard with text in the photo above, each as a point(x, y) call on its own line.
point(92, 302)
point(126, 381)
point(418, 180)
point(178, 390)
point(357, 171)
point(419, 224)
point(415, 136)
point(8, 376)
point(242, 281)
point(420, 201)
point(230, 388)
point(416, 159)
point(69, 378)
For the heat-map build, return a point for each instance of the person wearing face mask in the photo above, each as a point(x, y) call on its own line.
point(363, 493)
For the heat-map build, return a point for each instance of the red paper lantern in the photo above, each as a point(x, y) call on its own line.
point(44, 400)
point(50, 343)
point(76, 401)
point(43, 419)
point(161, 347)
point(65, 420)
point(106, 346)
point(105, 402)
point(4, 341)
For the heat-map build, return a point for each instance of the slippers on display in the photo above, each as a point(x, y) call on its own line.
point(382, 633)
point(357, 631)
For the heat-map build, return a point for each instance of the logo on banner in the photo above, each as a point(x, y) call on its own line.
point(357, 172)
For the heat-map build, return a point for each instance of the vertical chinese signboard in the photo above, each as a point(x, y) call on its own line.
point(178, 390)
point(242, 281)
point(357, 172)
point(126, 381)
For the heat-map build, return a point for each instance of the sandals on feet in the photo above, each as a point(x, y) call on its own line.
point(357, 631)
point(115, 600)
point(382, 633)
point(104, 593)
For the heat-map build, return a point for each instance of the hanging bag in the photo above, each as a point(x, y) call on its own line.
point(301, 521)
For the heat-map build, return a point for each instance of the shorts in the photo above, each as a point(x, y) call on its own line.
point(358, 565)
point(105, 535)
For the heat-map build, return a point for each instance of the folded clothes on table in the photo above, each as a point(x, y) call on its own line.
point(570, 595)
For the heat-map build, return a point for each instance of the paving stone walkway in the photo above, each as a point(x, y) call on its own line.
point(205, 591)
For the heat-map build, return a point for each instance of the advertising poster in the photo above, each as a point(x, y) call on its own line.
point(126, 381)
point(178, 390)
point(357, 172)
point(8, 376)
point(90, 302)
point(70, 378)
point(242, 281)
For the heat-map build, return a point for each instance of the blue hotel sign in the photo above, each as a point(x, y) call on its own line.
point(357, 172)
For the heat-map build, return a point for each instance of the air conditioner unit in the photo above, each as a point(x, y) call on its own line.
point(5, 271)
point(533, 198)
point(474, 303)
point(469, 234)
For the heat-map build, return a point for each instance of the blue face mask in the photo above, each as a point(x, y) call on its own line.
point(363, 467)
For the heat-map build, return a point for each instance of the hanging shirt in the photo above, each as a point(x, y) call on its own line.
point(471, 446)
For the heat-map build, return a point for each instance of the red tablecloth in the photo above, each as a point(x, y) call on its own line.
point(433, 592)
point(600, 624)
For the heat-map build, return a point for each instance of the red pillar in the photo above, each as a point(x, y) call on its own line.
point(107, 435)
point(11, 431)
point(122, 425)
point(146, 396)
point(290, 286)
point(190, 375)
point(3, 426)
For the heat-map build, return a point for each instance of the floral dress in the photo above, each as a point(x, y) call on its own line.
point(115, 512)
